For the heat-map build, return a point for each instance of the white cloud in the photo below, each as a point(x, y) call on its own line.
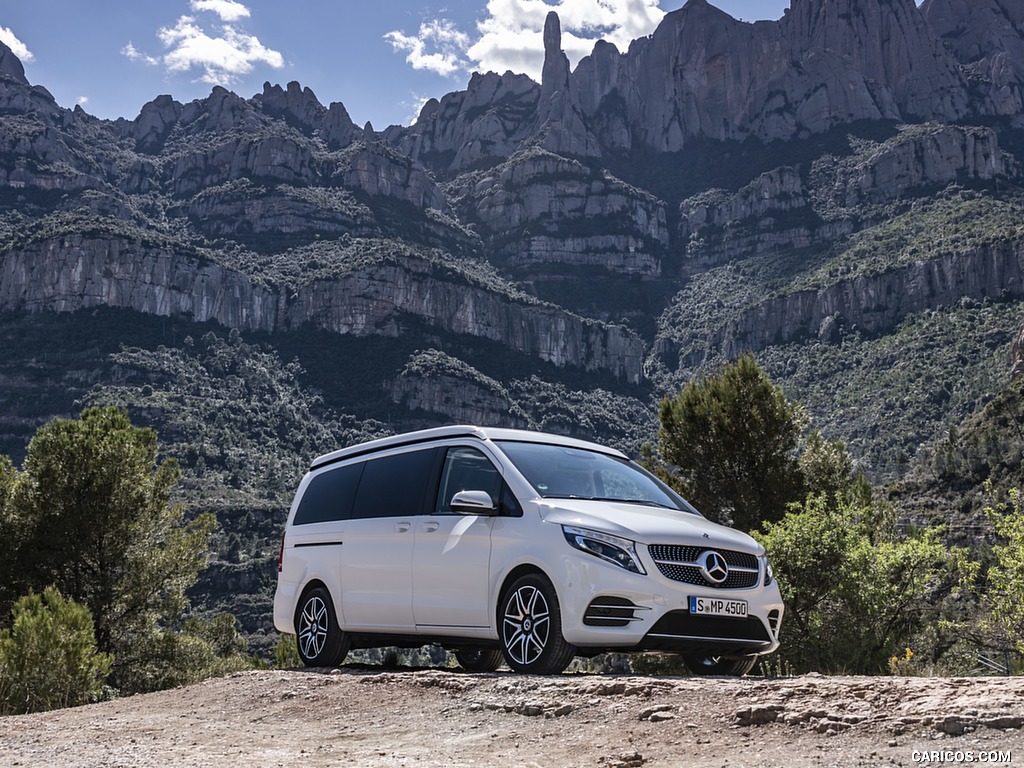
point(228, 10)
point(82, 101)
point(223, 59)
point(18, 48)
point(438, 47)
point(222, 56)
point(510, 37)
point(135, 54)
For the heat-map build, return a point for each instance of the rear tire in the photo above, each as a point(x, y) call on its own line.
point(479, 659)
point(531, 628)
point(319, 637)
point(716, 665)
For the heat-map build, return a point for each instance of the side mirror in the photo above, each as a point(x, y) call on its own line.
point(473, 503)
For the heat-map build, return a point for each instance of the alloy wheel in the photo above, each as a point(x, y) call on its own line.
point(526, 624)
point(314, 623)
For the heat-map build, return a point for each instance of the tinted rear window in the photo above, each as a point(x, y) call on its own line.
point(329, 496)
point(394, 486)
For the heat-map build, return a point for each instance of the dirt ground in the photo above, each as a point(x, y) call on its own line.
point(360, 716)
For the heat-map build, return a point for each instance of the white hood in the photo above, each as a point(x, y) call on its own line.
point(645, 524)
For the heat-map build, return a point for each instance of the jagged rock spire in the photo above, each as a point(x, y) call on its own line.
point(555, 75)
point(560, 124)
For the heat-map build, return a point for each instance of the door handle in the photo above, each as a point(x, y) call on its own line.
point(430, 526)
point(402, 527)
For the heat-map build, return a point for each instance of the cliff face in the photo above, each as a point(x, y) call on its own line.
point(80, 272)
point(541, 208)
point(872, 303)
point(784, 208)
point(375, 300)
point(433, 382)
point(77, 272)
point(987, 38)
point(484, 123)
point(823, 64)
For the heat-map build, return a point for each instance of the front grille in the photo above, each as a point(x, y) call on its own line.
point(679, 563)
point(611, 612)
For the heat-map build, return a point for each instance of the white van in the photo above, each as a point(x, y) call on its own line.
point(517, 547)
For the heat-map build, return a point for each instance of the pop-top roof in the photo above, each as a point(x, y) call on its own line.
point(462, 430)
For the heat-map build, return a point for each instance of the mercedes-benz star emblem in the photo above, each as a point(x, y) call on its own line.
point(713, 567)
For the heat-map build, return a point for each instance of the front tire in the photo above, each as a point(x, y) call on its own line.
point(479, 659)
point(716, 665)
point(531, 628)
point(319, 637)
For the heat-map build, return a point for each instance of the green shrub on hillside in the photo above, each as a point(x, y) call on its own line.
point(231, 413)
point(888, 397)
point(286, 653)
point(172, 657)
point(48, 657)
point(1004, 597)
point(978, 459)
point(856, 592)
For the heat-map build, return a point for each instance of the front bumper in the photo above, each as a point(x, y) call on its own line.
point(605, 607)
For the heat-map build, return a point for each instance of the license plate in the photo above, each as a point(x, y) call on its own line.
point(715, 606)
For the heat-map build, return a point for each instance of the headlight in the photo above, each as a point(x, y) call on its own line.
point(621, 552)
point(769, 577)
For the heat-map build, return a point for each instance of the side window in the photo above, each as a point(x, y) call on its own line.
point(329, 496)
point(510, 506)
point(467, 469)
point(394, 486)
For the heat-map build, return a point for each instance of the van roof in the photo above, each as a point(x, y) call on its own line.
point(461, 430)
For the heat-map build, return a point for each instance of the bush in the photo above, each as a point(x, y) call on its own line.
point(48, 658)
point(286, 653)
point(855, 591)
point(1003, 601)
point(169, 659)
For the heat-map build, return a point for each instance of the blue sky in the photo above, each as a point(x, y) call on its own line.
point(380, 58)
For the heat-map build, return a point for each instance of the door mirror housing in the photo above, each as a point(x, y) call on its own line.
point(473, 503)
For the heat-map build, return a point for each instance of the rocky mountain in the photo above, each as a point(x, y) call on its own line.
point(985, 37)
point(554, 219)
point(838, 191)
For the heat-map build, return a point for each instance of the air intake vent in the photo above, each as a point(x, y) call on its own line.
point(611, 612)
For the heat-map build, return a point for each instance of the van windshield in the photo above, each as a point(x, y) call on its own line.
point(561, 472)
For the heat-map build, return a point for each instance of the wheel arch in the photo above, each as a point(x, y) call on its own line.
point(511, 577)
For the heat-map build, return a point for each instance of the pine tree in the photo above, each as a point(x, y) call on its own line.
point(95, 519)
point(731, 440)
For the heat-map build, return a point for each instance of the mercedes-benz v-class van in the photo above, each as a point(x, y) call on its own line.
point(517, 547)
